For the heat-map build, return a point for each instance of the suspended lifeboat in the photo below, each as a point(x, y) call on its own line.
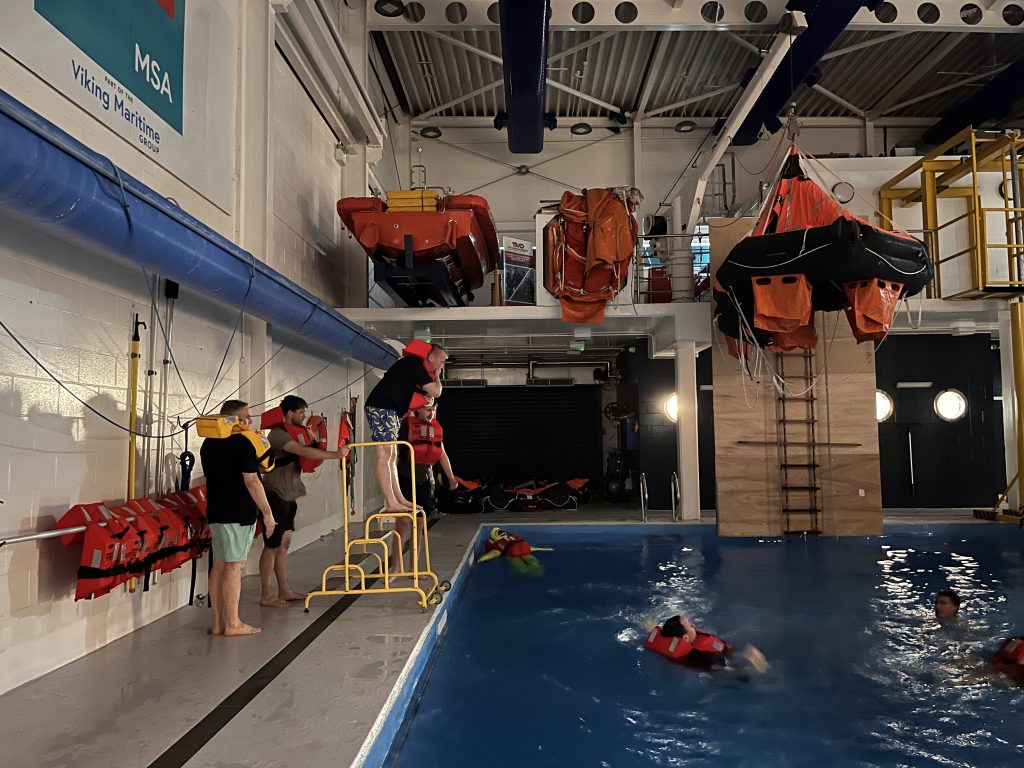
point(426, 249)
point(808, 253)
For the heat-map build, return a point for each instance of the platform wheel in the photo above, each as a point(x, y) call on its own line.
point(435, 598)
point(444, 586)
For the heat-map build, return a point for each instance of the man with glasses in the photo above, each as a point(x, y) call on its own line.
point(284, 487)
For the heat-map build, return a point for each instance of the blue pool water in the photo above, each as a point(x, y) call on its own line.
point(550, 671)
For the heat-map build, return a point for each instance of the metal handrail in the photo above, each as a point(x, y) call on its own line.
point(677, 499)
point(643, 497)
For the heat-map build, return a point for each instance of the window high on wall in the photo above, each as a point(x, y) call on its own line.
point(700, 246)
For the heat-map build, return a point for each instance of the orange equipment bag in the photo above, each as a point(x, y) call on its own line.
point(872, 307)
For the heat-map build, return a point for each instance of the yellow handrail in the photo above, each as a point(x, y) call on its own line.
point(366, 581)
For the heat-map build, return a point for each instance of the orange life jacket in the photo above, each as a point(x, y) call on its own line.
point(313, 434)
point(1010, 662)
point(677, 648)
point(426, 438)
point(110, 556)
point(420, 349)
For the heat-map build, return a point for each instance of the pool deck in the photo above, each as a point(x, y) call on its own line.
point(306, 691)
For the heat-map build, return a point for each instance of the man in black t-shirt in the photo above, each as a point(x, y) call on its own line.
point(234, 496)
point(385, 407)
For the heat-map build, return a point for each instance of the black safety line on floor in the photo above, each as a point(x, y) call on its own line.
point(185, 748)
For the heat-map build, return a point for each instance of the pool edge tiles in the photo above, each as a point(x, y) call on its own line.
point(380, 741)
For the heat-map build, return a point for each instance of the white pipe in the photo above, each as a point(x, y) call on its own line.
point(687, 455)
point(780, 47)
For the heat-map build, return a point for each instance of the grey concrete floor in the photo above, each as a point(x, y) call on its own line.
point(171, 690)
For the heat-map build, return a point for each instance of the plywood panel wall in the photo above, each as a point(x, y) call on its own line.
point(747, 420)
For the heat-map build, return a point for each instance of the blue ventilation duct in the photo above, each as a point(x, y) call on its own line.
point(524, 57)
point(826, 20)
point(53, 181)
point(993, 102)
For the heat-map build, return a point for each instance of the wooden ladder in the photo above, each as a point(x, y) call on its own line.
point(796, 436)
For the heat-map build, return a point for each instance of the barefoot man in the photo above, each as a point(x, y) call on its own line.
point(234, 496)
point(385, 407)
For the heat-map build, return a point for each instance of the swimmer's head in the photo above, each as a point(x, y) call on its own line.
point(947, 605)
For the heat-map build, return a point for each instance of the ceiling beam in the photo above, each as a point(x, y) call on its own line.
point(769, 64)
point(866, 44)
point(494, 84)
point(687, 15)
point(838, 100)
point(702, 122)
point(924, 68)
point(944, 89)
point(689, 100)
point(654, 73)
point(553, 83)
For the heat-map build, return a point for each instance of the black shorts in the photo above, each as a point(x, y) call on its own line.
point(284, 516)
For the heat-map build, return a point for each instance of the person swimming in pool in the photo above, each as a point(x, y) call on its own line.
point(679, 640)
point(947, 607)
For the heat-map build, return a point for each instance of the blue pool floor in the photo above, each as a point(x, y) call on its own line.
point(550, 670)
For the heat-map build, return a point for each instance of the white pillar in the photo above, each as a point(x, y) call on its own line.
point(1009, 406)
point(686, 429)
point(682, 255)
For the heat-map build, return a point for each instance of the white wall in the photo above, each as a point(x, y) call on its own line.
point(74, 310)
point(601, 159)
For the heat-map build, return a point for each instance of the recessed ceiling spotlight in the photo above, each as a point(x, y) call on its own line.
point(685, 126)
point(390, 9)
point(430, 132)
point(580, 129)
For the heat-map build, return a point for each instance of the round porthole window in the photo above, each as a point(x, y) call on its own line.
point(672, 408)
point(950, 405)
point(883, 406)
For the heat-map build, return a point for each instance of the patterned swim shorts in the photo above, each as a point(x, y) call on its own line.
point(384, 424)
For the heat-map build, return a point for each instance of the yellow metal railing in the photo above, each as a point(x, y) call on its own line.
point(357, 580)
point(987, 154)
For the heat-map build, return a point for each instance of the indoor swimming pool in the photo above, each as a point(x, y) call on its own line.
point(550, 670)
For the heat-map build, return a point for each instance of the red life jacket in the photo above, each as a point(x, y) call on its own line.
point(677, 648)
point(314, 435)
point(420, 349)
point(185, 505)
point(426, 438)
point(110, 556)
point(509, 546)
point(1010, 662)
point(80, 514)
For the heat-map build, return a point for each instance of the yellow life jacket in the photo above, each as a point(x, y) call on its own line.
point(224, 426)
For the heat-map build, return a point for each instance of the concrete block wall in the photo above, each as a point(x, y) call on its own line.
point(73, 309)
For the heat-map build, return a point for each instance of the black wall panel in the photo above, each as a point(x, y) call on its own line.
point(644, 385)
point(514, 434)
point(958, 464)
point(706, 430)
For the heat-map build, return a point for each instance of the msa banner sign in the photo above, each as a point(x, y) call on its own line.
point(160, 73)
point(140, 44)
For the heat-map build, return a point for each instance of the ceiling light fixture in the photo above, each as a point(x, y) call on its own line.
point(685, 126)
point(430, 132)
point(389, 9)
point(580, 129)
